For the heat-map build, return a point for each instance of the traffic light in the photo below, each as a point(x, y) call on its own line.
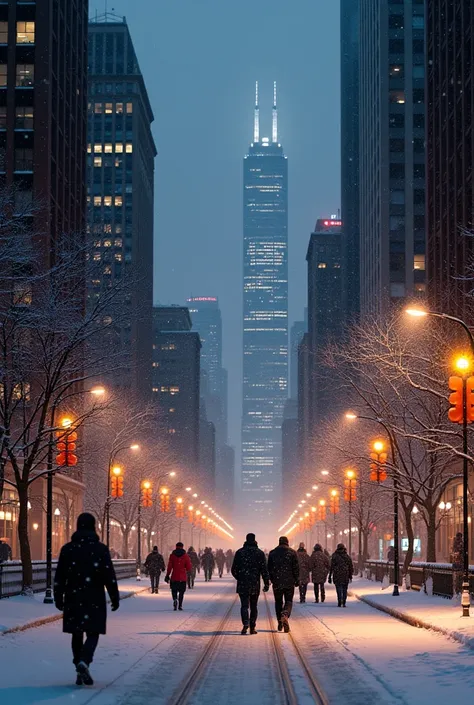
point(455, 413)
point(334, 502)
point(164, 500)
point(66, 446)
point(470, 399)
point(147, 494)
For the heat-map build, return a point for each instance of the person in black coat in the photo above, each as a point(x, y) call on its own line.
point(84, 569)
point(155, 566)
point(249, 568)
point(341, 573)
point(284, 572)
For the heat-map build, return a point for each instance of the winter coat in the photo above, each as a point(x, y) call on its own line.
point(207, 560)
point(193, 557)
point(84, 569)
point(320, 565)
point(248, 568)
point(220, 558)
point(304, 563)
point(341, 569)
point(229, 557)
point(179, 565)
point(391, 554)
point(283, 567)
point(5, 552)
point(155, 563)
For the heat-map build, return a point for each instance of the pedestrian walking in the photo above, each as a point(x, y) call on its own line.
point(5, 551)
point(319, 565)
point(220, 561)
point(84, 569)
point(208, 564)
point(155, 566)
point(249, 568)
point(229, 559)
point(179, 565)
point(304, 563)
point(284, 571)
point(193, 557)
point(391, 554)
point(341, 572)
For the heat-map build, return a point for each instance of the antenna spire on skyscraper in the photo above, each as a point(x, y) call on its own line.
point(256, 123)
point(275, 115)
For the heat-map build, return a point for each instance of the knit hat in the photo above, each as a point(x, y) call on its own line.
point(250, 538)
point(283, 541)
point(180, 544)
point(86, 522)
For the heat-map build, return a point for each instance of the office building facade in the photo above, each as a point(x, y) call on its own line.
point(450, 155)
point(176, 384)
point(350, 157)
point(265, 317)
point(391, 152)
point(121, 154)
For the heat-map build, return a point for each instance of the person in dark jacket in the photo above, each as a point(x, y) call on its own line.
point(220, 561)
point(249, 568)
point(193, 557)
point(319, 564)
point(155, 566)
point(208, 564)
point(304, 562)
point(284, 572)
point(5, 551)
point(84, 569)
point(341, 572)
point(179, 565)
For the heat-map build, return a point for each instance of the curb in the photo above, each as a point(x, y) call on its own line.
point(56, 617)
point(416, 622)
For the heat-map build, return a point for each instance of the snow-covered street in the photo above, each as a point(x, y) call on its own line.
point(358, 655)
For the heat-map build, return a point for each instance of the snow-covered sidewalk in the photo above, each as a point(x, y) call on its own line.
point(417, 608)
point(21, 612)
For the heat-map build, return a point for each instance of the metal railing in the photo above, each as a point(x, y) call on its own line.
point(11, 578)
point(435, 578)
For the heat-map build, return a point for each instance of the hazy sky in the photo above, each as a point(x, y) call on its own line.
point(200, 60)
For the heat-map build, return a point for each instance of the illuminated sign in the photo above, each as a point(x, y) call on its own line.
point(332, 223)
point(202, 298)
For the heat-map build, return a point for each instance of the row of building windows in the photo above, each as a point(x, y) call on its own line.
point(108, 201)
point(110, 108)
point(25, 32)
point(25, 75)
point(111, 148)
point(24, 117)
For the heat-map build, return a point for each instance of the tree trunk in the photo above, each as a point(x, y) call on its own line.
point(410, 536)
point(431, 543)
point(24, 540)
point(365, 546)
point(125, 540)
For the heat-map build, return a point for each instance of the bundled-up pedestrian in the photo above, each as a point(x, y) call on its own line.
point(229, 558)
point(193, 557)
point(304, 562)
point(341, 572)
point(84, 569)
point(5, 551)
point(319, 564)
point(284, 571)
point(208, 564)
point(249, 568)
point(155, 566)
point(179, 565)
point(220, 561)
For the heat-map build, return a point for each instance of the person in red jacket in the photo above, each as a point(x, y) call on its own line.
point(179, 565)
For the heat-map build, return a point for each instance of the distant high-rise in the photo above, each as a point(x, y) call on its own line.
point(450, 154)
point(265, 316)
point(391, 152)
point(120, 186)
point(350, 157)
point(298, 329)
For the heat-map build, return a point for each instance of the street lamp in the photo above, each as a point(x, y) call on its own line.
point(378, 448)
point(350, 479)
point(110, 473)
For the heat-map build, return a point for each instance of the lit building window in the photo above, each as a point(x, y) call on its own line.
point(397, 97)
point(419, 262)
point(107, 243)
point(118, 257)
point(119, 108)
point(174, 390)
point(118, 201)
point(172, 410)
point(129, 108)
point(97, 161)
point(25, 32)
point(129, 148)
point(109, 108)
point(97, 201)
point(98, 108)
point(322, 265)
point(3, 75)
point(25, 75)
point(108, 201)
point(24, 117)
point(172, 431)
point(108, 148)
point(3, 32)
point(119, 148)
point(98, 148)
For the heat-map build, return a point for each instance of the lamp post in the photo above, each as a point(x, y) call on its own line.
point(350, 478)
point(463, 365)
point(396, 533)
point(111, 466)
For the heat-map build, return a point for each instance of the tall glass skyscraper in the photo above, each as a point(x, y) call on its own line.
point(265, 317)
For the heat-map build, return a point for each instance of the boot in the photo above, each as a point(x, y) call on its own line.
point(253, 630)
point(83, 670)
point(175, 605)
point(286, 624)
point(280, 626)
point(244, 630)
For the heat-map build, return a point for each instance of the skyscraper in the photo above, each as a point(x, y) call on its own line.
point(391, 152)
point(350, 156)
point(450, 153)
point(120, 187)
point(265, 316)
